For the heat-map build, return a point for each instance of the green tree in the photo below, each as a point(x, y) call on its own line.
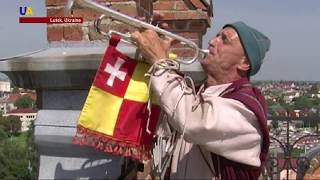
point(270, 102)
point(316, 101)
point(289, 107)
point(275, 124)
point(11, 124)
point(314, 89)
point(32, 153)
point(280, 100)
point(24, 102)
point(3, 134)
point(18, 159)
point(13, 161)
point(15, 90)
point(303, 102)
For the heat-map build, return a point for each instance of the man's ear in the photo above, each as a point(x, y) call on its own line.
point(244, 64)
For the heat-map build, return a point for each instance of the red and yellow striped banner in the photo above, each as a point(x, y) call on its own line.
point(114, 118)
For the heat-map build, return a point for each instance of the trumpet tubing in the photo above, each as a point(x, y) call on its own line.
point(115, 15)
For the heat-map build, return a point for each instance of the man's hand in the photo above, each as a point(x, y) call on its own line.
point(152, 47)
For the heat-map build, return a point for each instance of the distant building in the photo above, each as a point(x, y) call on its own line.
point(26, 115)
point(290, 95)
point(4, 86)
point(7, 101)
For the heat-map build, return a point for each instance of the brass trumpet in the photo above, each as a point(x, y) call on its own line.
point(117, 16)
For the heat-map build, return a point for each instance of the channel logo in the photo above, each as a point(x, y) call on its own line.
point(25, 11)
point(26, 16)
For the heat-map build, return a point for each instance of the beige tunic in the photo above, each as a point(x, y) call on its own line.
point(220, 125)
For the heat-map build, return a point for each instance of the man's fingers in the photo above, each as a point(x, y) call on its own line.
point(149, 32)
point(136, 36)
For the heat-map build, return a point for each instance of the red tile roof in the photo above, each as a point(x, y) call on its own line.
point(22, 110)
point(13, 97)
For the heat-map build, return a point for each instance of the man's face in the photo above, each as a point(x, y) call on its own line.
point(225, 53)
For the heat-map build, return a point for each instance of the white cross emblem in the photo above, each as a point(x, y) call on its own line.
point(115, 72)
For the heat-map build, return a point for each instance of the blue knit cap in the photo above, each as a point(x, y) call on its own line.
point(254, 43)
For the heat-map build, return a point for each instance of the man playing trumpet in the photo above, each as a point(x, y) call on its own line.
point(223, 131)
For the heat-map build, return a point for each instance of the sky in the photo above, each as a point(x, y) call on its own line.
point(292, 25)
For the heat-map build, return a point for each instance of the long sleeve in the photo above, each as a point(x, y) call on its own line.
point(220, 125)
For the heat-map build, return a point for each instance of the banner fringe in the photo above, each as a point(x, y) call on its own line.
point(107, 144)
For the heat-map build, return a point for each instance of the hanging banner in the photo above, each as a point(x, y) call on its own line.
point(115, 118)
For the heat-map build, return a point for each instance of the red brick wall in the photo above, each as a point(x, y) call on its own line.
point(182, 19)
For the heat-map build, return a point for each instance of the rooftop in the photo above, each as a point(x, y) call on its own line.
point(22, 111)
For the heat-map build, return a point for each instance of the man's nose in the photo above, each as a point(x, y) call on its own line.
point(213, 41)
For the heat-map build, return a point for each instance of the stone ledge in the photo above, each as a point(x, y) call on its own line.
point(59, 159)
point(55, 126)
point(66, 67)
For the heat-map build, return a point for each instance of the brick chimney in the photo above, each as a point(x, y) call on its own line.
point(188, 18)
